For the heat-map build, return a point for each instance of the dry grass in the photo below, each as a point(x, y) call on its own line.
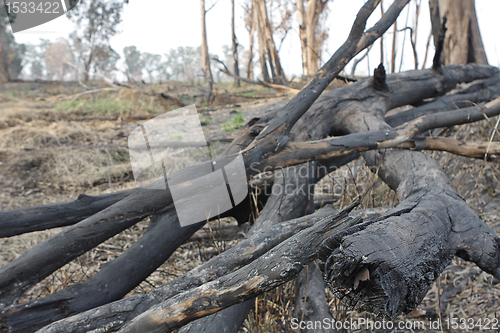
point(43, 160)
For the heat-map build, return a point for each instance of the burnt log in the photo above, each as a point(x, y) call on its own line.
point(283, 205)
point(20, 221)
point(113, 281)
point(277, 266)
point(39, 262)
point(388, 267)
point(310, 300)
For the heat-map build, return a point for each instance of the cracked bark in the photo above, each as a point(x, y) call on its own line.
point(405, 253)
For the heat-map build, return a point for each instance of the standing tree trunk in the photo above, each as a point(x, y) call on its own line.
point(463, 43)
point(311, 38)
point(250, 48)
point(260, 34)
point(235, 47)
point(204, 52)
point(302, 34)
point(274, 60)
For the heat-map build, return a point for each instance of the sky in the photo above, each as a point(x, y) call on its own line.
point(156, 26)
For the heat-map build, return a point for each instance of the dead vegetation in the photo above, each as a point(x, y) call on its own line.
point(53, 148)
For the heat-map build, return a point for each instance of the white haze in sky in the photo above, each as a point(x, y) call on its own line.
point(156, 26)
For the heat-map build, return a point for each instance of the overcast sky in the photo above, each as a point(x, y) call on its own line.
point(157, 26)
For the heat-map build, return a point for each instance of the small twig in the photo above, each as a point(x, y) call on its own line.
point(357, 61)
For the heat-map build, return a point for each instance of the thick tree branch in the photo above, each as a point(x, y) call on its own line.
point(39, 262)
point(19, 221)
point(479, 92)
point(277, 266)
point(112, 282)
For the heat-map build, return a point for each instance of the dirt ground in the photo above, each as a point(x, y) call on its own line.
point(55, 146)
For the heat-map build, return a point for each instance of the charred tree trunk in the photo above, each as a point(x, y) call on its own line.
point(431, 225)
point(463, 43)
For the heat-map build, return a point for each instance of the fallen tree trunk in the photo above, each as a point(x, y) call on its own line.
point(400, 256)
point(277, 266)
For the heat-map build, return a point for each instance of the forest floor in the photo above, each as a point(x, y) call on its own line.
point(55, 145)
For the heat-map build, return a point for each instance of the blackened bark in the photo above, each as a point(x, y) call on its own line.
point(20, 221)
point(391, 264)
point(310, 301)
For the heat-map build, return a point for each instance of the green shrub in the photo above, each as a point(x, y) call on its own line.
point(233, 124)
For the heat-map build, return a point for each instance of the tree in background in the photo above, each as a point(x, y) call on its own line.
point(105, 60)
point(57, 59)
point(151, 63)
point(191, 60)
point(250, 26)
point(183, 64)
point(34, 59)
point(170, 66)
point(204, 45)
point(133, 62)
point(268, 52)
point(10, 52)
point(463, 43)
point(205, 56)
point(312, 34)
point(234, 47)
point(96, 21)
